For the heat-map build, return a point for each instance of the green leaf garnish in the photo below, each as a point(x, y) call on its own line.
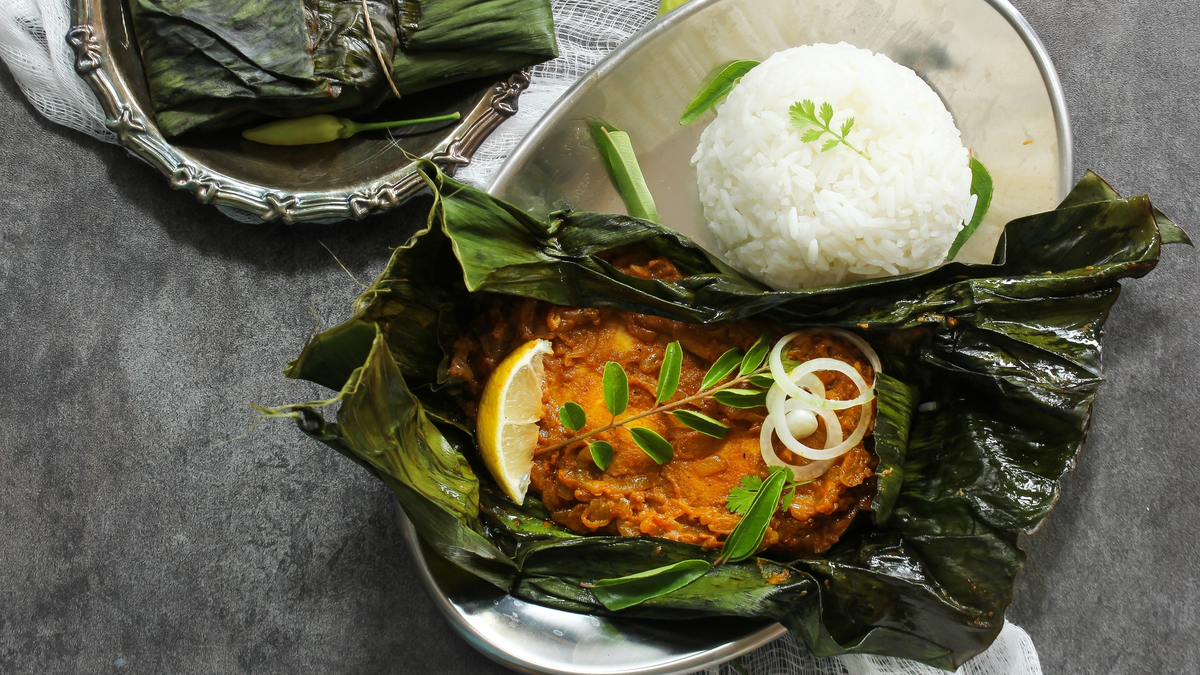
point(741, 398)
point(572, 415)
point(602, 454)
point(742, 497)
point(635, 589)
point(811, 135)
point(617, 152)
point(788, 497)
point(659, 449)
point(616, 388)
point(717, 89)
point(668, 373)
point(764, 380)
point(804, 114)
point(726, 364)
point(748, 535)
point(754, 357)
point(981, 186)
point(701, 422)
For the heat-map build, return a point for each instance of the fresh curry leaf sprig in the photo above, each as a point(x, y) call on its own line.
point(804, 114)
point(746, 368)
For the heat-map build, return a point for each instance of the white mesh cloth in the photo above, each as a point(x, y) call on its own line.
point(32, 44)
point(587, 32)
point(1011, 654)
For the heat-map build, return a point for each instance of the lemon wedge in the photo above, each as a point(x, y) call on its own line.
point(509, 411)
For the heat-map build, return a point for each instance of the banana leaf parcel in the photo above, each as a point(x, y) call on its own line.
point(212, 65)
point(989, 375)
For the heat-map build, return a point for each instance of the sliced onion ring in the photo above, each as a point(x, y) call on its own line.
point(803, 389)
point(776, 357)
point(801, 473)
point(777, 401)
point(865, 395)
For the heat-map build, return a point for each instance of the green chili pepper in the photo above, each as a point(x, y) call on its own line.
point(324, 128)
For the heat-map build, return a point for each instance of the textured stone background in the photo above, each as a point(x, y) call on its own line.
point(135, 326)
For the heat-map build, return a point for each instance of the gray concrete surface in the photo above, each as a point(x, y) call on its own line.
point(135, 325)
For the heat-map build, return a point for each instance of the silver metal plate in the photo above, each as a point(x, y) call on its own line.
point(981, 56)
point(535, 639)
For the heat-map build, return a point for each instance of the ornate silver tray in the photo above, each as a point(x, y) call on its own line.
point(348, 179)
point(981, 56)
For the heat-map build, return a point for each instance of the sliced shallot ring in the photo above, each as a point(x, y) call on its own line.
point(777, 409)
point(863, 347)
point(791, 388)
point(775, 360)
point(838, 450)
point(865, 393)
point(801, 473)
point(777, 416)
point(834, 445)
point(811, 382)
point(777, 400)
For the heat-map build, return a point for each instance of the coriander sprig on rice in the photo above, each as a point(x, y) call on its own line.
point(804, 114)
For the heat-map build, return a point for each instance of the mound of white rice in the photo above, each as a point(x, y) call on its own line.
point(795, 217)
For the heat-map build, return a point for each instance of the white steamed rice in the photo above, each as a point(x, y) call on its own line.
point(795, 217)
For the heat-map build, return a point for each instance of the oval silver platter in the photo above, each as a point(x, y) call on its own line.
point(981, 56)
point(345, 179)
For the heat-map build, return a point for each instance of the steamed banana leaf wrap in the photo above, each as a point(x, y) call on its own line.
point(989, 375)
point(213, 65)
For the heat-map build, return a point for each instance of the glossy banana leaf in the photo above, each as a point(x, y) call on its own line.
point(447, 41)
point(418, 71)
point(212, 64)
point(345, 56)
point(1004, 360)
point(194, 58)
point(521, 26)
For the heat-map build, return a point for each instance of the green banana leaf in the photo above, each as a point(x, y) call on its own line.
point(211, 65)
point(989, 375)
point(522, 26)
point(202, 70)
point(418, 71)
point(345, 55)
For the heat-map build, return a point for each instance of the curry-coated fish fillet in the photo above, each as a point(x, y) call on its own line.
point(685, 498)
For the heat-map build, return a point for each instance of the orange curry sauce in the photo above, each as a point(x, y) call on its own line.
point(684, 499)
